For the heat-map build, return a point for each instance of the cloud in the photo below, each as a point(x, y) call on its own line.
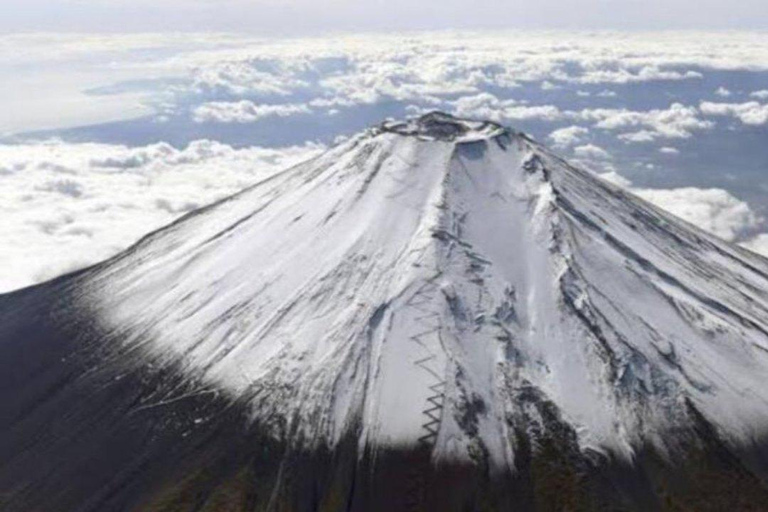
point(487, 106)
point(437, 69)
point(714, 210)
point(210, 74)
point(639, 136)
point(591, 152)
point(759, 244)
point(676, 122)
point(750, 113)
point(667, 150)
point(480, 106)
point(711, 209)
point(546, 85)
point(541, 112)
point(723, 92)
point(244, 111)
point(244, 79)
point(269, 78)
point(616, 179)
point(568, 136)
point(67, 205)
point(626, 76)
point(65, 187)
point(59, 198)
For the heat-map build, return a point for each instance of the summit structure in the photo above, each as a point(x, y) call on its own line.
point(438, 314)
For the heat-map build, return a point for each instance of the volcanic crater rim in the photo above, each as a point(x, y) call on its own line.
point(442, 126)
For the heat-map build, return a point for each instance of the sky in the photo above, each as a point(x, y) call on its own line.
point(302, 17)
point(115, 123)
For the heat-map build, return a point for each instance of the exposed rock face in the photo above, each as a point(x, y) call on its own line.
point(438, 314)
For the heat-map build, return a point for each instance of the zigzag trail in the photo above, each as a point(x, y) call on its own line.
point(433, 410)
point(440, 285)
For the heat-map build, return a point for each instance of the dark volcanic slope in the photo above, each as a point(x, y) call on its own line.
point(435, 315)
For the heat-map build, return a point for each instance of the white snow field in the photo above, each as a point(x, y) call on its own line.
point(438, 314)
point(435, 270)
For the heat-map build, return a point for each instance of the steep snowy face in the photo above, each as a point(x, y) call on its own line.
point(433, 283)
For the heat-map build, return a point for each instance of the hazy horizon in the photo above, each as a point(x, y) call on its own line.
point(106, 137)
point(303, 17)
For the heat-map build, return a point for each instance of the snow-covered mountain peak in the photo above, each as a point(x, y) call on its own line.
point(446, 127)
point(452, 253)
point(436, 286)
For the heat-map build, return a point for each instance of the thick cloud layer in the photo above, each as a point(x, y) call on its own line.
point(681, 115)
point(714, 210)
point(750, 112)
point(64, 206)
point(225, 78)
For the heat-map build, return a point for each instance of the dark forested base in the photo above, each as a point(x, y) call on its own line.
point(704, 482)
point(79, 433)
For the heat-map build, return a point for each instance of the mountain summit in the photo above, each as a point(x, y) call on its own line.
point(438, 314)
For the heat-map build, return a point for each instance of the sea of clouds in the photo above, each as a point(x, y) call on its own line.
point(111, 137)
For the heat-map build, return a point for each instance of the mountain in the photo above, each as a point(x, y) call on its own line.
point(437, 314)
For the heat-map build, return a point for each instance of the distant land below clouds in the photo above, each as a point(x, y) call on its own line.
point(110, 136)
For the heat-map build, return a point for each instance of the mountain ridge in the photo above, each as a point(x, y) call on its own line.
point(433, 301)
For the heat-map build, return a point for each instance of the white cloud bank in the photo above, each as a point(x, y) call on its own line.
point(243, 79)
point(437, 61)
point(759, 244)
point(723, 92)
point(676, 122)
point(239, 78)
point(569, 136)
point(65, 206)
point(591, 152)
point(487, 106)
point(244, 111)
point(711, 209)
point(751, 112)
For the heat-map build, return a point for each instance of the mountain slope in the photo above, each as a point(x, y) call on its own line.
point(437, 314)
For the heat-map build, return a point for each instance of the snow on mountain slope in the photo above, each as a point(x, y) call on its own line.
point(350, 285)
point(431, 284)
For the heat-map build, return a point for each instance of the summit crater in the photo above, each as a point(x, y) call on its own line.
point(442, 126)
point(405, 322)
